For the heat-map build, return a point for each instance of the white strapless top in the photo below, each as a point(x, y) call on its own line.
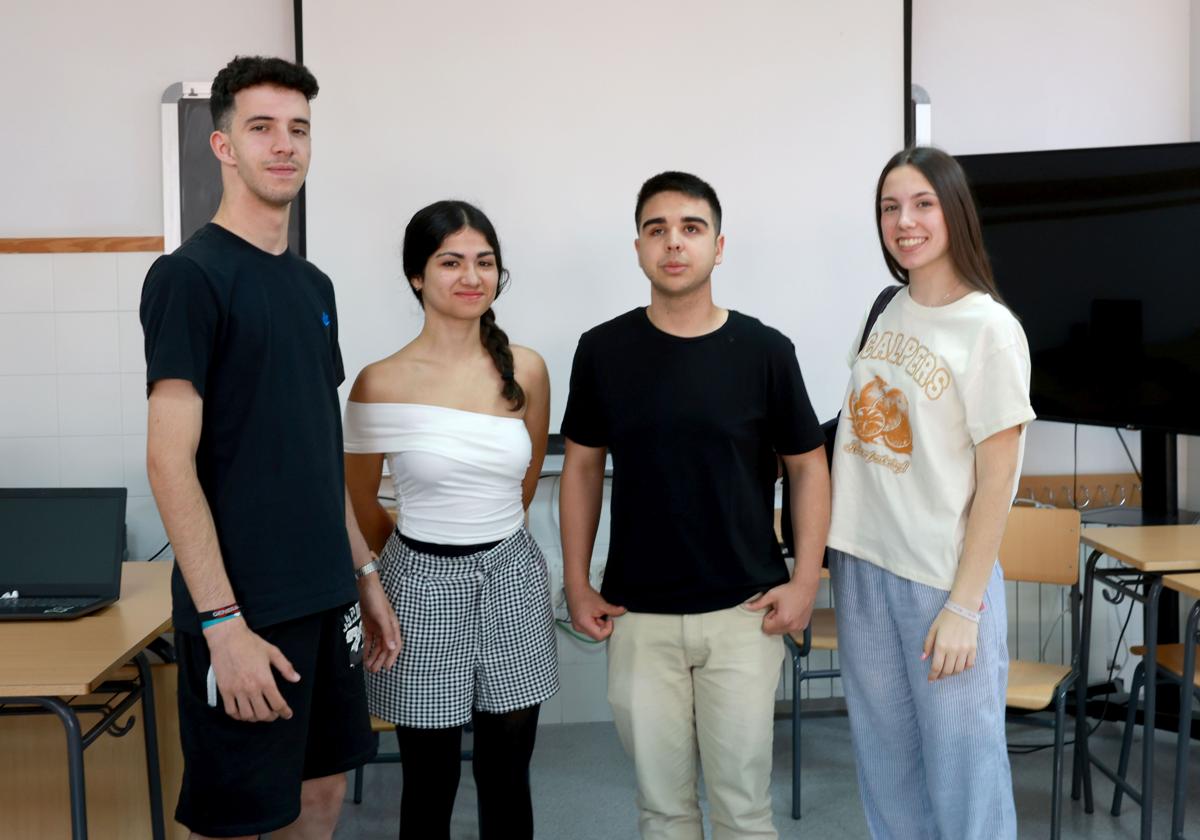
point(457, 473)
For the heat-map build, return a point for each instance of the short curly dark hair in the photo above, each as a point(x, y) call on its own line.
point(249, 70)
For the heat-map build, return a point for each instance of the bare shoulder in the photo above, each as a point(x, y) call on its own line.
point(528, 363)
point(382, 381)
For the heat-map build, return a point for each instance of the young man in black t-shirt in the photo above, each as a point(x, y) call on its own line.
point(695, 403)
point(244, 453)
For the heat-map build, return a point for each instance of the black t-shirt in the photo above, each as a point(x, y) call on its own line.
point(693, 425)
point(257, 335)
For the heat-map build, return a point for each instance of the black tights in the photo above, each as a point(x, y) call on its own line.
point(432, 759)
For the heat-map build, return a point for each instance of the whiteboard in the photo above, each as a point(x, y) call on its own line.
point(550, 115)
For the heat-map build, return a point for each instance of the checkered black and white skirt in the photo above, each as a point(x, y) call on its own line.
point(478, 633)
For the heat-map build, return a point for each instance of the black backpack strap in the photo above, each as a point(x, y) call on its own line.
point(829, 427)
point(880, 304)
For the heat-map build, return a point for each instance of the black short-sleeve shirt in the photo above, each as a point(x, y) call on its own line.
point(693, 426)
point(257, 335)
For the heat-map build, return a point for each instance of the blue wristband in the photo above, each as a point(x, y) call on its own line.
point(212, 622)
point(212, 617)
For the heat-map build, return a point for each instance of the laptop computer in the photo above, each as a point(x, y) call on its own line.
point(60, 551)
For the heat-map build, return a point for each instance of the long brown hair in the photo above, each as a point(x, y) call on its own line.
point(949, 183)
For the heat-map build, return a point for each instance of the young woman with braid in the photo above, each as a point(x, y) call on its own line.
point(461, 417)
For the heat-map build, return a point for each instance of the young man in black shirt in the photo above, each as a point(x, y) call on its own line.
point(244, 454)
point(695, 403)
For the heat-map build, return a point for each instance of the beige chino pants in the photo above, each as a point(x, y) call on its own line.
point(692, 690)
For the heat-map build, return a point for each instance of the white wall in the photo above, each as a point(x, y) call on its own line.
point(550, 116)
point(80, 142)
point(1027, 75)
point(72, 379)
point(82, 85)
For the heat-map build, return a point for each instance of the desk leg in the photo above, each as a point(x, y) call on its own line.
point(153, 776)
point(1187, 688)
point(1153, 590)
point(1083, 762)
point(74, 761)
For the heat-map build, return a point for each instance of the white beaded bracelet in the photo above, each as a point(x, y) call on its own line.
point(959, 610)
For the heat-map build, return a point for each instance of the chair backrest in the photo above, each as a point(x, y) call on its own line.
point(1041, 545)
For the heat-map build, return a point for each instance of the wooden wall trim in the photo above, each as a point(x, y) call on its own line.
point(81, 244)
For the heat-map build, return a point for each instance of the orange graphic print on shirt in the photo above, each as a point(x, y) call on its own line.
point(880, 412)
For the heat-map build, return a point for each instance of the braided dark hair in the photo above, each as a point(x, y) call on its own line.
point(426, 232)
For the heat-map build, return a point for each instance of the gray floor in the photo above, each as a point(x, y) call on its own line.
point(583, 789)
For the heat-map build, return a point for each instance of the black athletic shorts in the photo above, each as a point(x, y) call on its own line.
point(244, 778)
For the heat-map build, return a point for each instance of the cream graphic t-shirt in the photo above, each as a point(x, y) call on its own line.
point(930, 384)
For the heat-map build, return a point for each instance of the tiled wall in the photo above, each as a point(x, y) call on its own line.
point(72, 379)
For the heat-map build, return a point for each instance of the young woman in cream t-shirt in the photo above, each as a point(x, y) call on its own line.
point(925, 466)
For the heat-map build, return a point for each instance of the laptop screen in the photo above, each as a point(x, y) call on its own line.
point(61, 541)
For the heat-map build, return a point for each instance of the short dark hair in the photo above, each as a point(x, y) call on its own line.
point(680, 182)
point(950, 185)
point(249, 70)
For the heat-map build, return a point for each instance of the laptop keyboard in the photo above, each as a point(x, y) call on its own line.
point(32, 604)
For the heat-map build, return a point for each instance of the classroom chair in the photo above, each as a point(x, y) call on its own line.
point(1171, 665)
point(379, 726)
point(1041, 545)
point(820, 634)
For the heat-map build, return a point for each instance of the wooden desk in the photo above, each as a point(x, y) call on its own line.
point(1188, 584)
point(45, 663)
point(1146, 553)
point(1156, 549)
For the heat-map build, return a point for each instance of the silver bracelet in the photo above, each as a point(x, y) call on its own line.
point(367, 568)
point(959, 610)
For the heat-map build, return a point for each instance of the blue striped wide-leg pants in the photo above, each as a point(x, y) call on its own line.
point(932, 757)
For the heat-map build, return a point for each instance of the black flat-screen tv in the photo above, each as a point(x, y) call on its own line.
point(1097, 251)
